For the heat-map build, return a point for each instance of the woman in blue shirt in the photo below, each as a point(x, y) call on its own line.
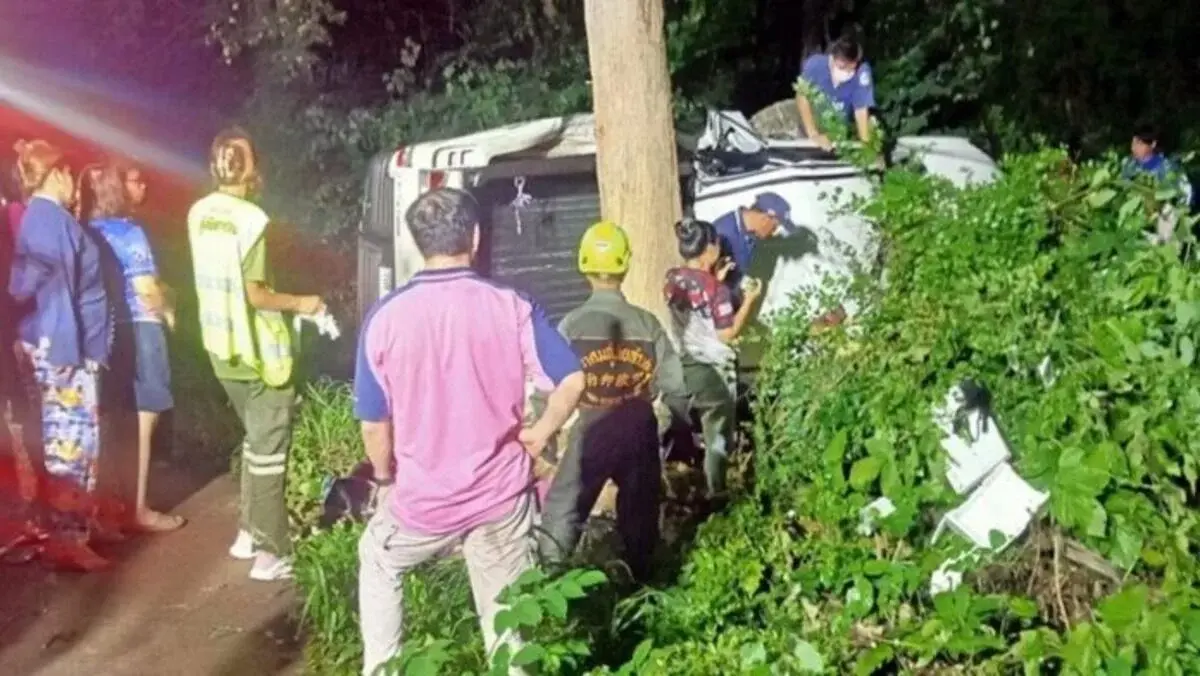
point(64, 333)
point(140, 358)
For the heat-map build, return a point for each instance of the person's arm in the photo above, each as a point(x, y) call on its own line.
point(551, 362)
point(373, 410)
point(864, 101)
point(137, 259)
point(35, 258)
point(90, 298)
point(808, 117)
point(668, 378)
point(729, 323)
point(261, 296)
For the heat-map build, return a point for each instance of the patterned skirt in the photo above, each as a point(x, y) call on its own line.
point(65, 400)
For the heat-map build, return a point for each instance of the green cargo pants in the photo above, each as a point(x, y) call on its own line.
point(267, 414)
point(713, 401)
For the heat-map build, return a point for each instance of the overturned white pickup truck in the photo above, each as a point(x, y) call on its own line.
point(536, 184)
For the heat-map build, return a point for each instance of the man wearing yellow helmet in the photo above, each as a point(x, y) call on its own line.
point(628, 361)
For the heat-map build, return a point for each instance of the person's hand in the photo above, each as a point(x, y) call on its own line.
point(310, 305)
point(823, 142)
point(91, 366)
point(169, 318)
point(380, 490)
point(534, 441)
point(724, 267)
point(751, 289)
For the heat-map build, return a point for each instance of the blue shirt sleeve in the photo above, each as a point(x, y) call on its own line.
point(554, 356)
point(864, 88)
point(733, 241)
point(95, 317)
point(810, 71)
point(370, 401)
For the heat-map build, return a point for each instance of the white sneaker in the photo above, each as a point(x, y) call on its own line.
point(243, 546)
point(269, 568)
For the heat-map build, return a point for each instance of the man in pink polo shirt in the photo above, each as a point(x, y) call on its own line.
point(440, 389)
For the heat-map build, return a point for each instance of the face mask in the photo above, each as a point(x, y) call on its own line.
point(840, 76)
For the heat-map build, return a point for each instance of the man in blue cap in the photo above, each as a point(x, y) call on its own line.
point(740, 230)
point(840, 78)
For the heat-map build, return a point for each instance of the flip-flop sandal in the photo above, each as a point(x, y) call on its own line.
point(161, 523)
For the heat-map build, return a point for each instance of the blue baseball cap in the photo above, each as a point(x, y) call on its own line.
point(775, 205)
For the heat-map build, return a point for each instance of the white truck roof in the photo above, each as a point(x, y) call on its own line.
point(953, 158)
point(547, 138)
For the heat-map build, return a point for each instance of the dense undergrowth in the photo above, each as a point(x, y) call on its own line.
point(982, 284)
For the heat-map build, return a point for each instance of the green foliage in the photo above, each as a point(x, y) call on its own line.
point(326, 443)
point(983, 283)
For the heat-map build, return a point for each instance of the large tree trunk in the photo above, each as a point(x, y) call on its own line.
point(635, 138)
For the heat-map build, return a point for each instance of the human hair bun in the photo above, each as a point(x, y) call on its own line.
point(687, 230)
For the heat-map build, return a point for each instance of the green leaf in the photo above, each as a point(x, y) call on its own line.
point(592, 578)
point(873, 659)
point(809, 658)
point(753, 653)
point(570, 589)
point(1099, 198)
point(556, 603)
point(1026, 609)
point(1127, 546)
point(506, 620)
point(1080, 473)
point(528, 612)
point(1131, 206)
point(836, 450)
point(863, 472)
point(1118, 665)
point(1187, 351)
point(1186, 312)
point(530, 653)
point(1123, 609)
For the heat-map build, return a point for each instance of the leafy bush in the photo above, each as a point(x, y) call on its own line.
point(983, 284)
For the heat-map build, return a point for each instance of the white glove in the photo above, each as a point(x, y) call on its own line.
point(325, 323)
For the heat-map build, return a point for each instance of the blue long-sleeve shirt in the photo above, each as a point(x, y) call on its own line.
point(1163, 170)
point(56, 276)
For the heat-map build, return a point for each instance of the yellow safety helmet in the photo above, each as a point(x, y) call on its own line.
point(604, 250)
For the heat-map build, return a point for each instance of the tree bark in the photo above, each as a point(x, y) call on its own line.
point(636, 161)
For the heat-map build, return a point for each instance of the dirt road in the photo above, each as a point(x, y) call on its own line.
point(173, 605)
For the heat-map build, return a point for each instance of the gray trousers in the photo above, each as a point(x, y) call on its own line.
point(267, 414)
point(496, 553)
point(713, 400)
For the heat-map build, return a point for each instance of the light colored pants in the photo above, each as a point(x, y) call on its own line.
point(496, 553)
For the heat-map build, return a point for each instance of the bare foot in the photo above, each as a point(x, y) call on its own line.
point(150, 521)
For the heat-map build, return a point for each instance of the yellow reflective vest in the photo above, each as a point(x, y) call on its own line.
point(222, 230)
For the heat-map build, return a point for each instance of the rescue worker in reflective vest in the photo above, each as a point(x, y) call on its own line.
point(628, 361)
point(248, 340)
point(842, 79)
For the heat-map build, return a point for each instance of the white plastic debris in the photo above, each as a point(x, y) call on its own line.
point(872, 513)
point(1004, 503)
point(1047, 373)
point(944, 579)
point(324, 321)
point(982, 449)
